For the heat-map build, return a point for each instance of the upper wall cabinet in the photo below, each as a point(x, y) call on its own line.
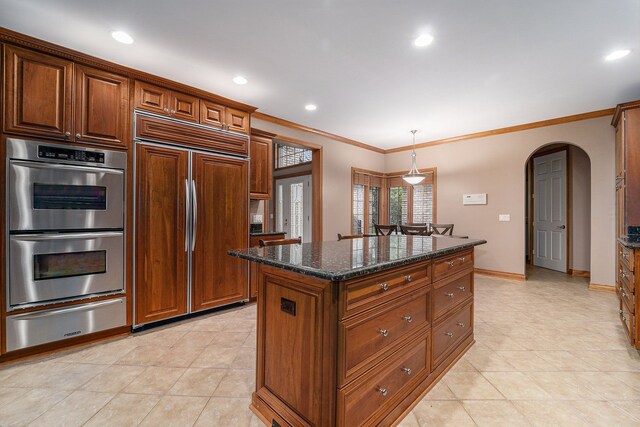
point(37, 93)
point(167, 102)
point(221, 117)
point(261, 164)
point(101, 107)
point(42, 99)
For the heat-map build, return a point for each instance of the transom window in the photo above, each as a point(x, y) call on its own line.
point(288, 155)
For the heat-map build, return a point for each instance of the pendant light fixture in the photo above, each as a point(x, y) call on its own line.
point(414, 176)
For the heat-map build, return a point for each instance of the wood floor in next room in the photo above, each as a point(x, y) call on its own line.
point(548, 352)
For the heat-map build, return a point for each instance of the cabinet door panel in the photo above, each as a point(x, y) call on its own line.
point(212, 114)
point(37, 94)
point(102, 106)
point(152, 98)
point(185, 107)
point(161, 258)
point(221, 224)
point(237, 121)
point(261, 164)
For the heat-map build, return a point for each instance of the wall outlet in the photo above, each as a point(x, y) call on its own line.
point(504, 217)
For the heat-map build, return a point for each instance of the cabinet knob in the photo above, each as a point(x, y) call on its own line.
point(462, 288)
point(461, 324)
point(408, 278)
point(166, 110)
point(384, 286)
point(449, 294)
point(383, 332)
point(78, 136)
point(382, 391)
point(450, 263)
point(406, 371)
point(67, 134)
point(409, 319)
point(461, 259)
point(173, 111)
point(449, 334)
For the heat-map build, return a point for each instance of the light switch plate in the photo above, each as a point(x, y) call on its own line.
point(504, 217)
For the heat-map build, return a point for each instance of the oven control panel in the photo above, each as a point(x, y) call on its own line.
point(57, 153)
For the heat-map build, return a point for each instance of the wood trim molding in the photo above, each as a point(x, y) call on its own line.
point(293, 125)
point(517, 128)
point(602, 288)
point(620, 108)
point(9, 36)
point(501, 274)
point(580, 273)
point(262, 133)
point(296, 142)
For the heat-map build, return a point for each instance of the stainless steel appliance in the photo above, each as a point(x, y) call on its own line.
point(65, 240)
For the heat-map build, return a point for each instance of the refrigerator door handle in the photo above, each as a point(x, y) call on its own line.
point(195, 214)
point(186, 214)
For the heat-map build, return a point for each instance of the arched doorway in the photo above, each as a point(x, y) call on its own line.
point(558, 209)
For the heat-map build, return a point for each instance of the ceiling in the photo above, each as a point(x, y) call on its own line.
point(493, 63)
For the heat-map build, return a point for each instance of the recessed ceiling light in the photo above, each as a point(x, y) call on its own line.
point(122, 37)
point(239, 80)
point(617, 54)
point(310, 107)
point(423, 40)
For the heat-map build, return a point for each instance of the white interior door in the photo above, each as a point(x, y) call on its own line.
point(293, 207)
point(550, 211)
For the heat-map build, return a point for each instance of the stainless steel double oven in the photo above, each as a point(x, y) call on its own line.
point(65, 240)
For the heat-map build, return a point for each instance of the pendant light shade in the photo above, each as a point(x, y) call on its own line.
point(414, 176)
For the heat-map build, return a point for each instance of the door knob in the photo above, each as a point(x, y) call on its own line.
point(562, 227)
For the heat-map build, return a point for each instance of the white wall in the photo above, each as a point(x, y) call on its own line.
point(580, 210)
point(496, 165)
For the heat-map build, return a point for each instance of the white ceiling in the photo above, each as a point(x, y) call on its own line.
point(494, 63)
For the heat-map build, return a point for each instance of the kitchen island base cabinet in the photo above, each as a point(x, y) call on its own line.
point(322, 361)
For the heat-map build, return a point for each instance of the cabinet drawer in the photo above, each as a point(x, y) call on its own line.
point(368, 397)
point(628, 321)
point(362, 294)
point(625, 255)
point(368, 336)
point(450, 292)
point(627, 297)
point(626, 277)
point(446, 266)
point(448, 334)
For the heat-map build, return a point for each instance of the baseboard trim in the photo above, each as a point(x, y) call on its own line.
point(579, 273)
point(501, 274)
point(602, 288)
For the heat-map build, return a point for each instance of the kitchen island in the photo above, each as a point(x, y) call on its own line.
point(355, 332)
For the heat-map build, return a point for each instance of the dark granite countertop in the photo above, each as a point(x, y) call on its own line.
point(268, 233)
point(345, 259)
point(631, 242)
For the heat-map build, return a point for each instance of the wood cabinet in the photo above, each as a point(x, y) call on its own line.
point(359, 352)
point(43, 98)
point(161, 233)
point(254, 242)
point(37, 94)
point(166, 102)
point(101, 107)
point(225, 118)
point(261, 158)
point(627, 283)
point(222, 223)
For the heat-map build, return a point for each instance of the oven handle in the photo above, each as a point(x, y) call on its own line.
point(49, 313)
point(66, 167)
point(67, 236)
point(186, 214)
point(195, 215)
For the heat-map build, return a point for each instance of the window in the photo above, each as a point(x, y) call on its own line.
point(386, 199)
point(291, 156)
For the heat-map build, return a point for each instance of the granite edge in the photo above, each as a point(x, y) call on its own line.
point(624, 240)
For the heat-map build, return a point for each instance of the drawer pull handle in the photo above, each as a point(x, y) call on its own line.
point(625, 255)
point(462, 288)
point(406, 371)
point(619, 311)
point(408, 278)
point(624, 294)
point(409, 319)
point(461, 324)
point(449, 294)
point(449, 334)
point(461, 259)
point(382, 390)
point(383, 332)
point(624, 319)
point(624, 275)
point(384, 286)
point(451, 263)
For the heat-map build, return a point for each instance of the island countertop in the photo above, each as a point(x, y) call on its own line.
point(346, 259)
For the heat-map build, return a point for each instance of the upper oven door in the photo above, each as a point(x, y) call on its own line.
point(47, 196)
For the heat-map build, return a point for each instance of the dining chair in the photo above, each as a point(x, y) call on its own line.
point(415, 230)
point(441, 228)
point(385, 230)
point(279, 242)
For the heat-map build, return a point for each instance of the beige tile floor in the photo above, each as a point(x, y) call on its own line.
point(548, 352)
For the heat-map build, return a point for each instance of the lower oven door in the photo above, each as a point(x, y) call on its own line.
point(47, 267)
